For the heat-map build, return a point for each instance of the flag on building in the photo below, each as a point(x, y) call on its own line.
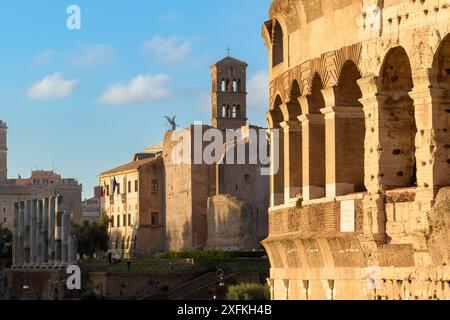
point(114, 185)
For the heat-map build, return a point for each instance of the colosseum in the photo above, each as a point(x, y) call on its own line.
point(360, 99)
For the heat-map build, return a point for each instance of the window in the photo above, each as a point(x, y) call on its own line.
point(124, 220)
point(247, 178)
point(155, 186)
point(277, 48)
point(224, 111)
point(118, 221)
point(234, 112)
point(4, 220)
point(107, 190)
point(136, 186)
point(118, 188)
point(112, 222)
point(223, 86)
point(155, 218)
point(235, 86)
point(129, 220)
point(129, 186)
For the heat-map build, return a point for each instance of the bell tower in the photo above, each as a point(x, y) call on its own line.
point(229, 94)
point(3, 153)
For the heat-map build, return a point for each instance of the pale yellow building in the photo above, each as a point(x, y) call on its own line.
point(134, 205)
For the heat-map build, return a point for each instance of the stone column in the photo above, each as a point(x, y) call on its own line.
point(72, 251)
point(313, 152)
point(344, 145)
point(51, 231)
point(276, 167)
point(65, 234)
point(15, 252)
point(292, 160)
point(27, 241)
point(58, 231)
point(40, 234)
point(33, 233)
point(21, 235)
point(45, 208)
point(374, 219)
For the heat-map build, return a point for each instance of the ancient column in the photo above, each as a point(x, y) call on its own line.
point(15, 261)
point(33, 233)
point(40, 234)
point(21, 235)
point(72, 251)
point(27, 248)
point(374, 220)
point(51, 231)
point(313, 152)
point(45, 209)
point(292, 161)
point(58, 231)
point(276, 167)
point(65, 234)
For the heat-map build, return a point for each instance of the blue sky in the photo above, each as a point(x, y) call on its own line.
point(83, 101)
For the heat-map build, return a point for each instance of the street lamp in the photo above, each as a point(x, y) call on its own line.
point(220, 282)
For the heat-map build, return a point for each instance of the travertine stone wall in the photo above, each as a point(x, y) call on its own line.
point(372, 100)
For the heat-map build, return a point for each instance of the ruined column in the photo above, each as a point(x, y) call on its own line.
point(374, 219)
point(65, 234)
point(313, 142)
point(45, 209)
point(27, 236)
point(40, 234)
point(51, 231)
point(15, 260)
point(58, 231)
point(33, 233)
point(292, 161)
point(21, 235)
point(72, 250)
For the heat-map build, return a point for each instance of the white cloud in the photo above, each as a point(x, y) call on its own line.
point(95, 54)
point(43, 57)
point(52, 87)
point(139, 89)
point(168, 49)
point(258, 90)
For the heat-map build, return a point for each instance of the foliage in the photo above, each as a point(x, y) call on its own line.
point(248, 291)
point(5, 244)
point(299, 203)
point(91, 236)
point(211, 255)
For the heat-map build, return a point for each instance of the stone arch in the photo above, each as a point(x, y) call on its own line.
point(277, 44)
point(397, 121)
point(440, 73)
point(346, 123)
point(313, 135)
point(277, 178)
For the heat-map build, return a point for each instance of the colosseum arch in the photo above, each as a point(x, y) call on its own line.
point(313, 128)
point(293, 176)
point(277, 44)
point(345, 122)
point(277, 178)
point(397, 127)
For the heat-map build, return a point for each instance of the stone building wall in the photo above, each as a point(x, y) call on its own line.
point(365, 109)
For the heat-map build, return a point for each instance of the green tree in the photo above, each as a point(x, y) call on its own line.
point(5, 244)
point(91, 236)
point(248, 291)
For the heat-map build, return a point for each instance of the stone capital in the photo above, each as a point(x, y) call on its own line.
point(342, 112)
point(368, 86)
point(291, 126)
point(311, 118)
point(329, 95)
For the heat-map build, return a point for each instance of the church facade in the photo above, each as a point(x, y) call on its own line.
point(360, 96)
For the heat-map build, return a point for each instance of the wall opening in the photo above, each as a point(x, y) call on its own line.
point(277, 184)
point(277, 46)
point(397, 122)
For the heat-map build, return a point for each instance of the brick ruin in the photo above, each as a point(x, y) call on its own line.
point(360, 93)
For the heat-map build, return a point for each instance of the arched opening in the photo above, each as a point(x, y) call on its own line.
point(349, 132)
point(223, 86)
point(224, 111)
point(397, 122)
point(235, 86)
point(228, 88)
point(314, 140)
point(277, 183)
point(441, 115)
point(277, 45)
point(293, 144)
point(228, 111)
point(234, 112)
